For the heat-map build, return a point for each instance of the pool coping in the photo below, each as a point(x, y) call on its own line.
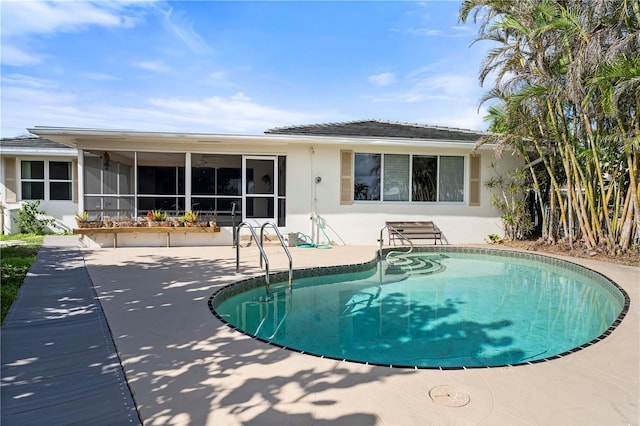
point(276, 277)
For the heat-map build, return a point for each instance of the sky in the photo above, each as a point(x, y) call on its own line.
point(235, 66)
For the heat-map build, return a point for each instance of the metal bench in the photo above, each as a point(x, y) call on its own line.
point(414, 231)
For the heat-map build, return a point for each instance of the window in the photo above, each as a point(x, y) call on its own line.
point(451, 183)
point(408, 178)
point(60, 179)
point(32, 174)
point(396, 177)
point(38, 176)
point(366, 178)
point(425, 176)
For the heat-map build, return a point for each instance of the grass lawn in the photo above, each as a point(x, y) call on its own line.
point(15, 262)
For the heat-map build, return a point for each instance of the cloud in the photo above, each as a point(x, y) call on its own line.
point(466, 116)
point(448, 85)
point(425, 32)
point(156, 66)
point(97, 76)
point(28, 102)
point(44, 17)
point(23, 19)
point(383, 79)
point(183, 29)
point(454, 31)
point(21, 80)
point(218, 75)
point(236, 113)
point(16, 57)
point(424, 86)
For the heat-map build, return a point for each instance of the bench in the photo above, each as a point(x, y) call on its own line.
point(414, 231)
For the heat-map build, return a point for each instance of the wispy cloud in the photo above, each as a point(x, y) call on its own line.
point(16, 57)
point(25, 98)
point(449, 85)
point(156, 66)
point(218, 75)
point(383, 79)
point(453, 32)
point(183, 29)
point(238, 113)
point(23, 19)
point(45, 17)
point(97, 76)
point(427, 86)
point(425, 32)
point(21, 80)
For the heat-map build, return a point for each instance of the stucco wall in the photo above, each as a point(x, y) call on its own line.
point(361, 222)
point(63, 212)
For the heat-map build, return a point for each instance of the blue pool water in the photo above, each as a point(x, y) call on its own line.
point(432, 310)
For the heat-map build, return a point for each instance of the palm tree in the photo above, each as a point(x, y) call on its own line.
point(566, 82)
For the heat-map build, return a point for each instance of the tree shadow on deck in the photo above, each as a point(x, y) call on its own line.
point(186, 367)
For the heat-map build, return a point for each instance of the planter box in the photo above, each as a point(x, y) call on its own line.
point(144, 230)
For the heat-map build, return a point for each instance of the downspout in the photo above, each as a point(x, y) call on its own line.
point(314, 198)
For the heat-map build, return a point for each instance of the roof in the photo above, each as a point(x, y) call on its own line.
point(30, 142)
point(35, 146)
point(381, 128)
point(362, 132)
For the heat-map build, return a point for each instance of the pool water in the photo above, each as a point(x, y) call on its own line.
point(431, 310)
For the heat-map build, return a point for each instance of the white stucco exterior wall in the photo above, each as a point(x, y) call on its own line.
point(61, 211)
point(361, 222)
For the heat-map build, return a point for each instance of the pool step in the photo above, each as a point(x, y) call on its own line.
point(414, 265)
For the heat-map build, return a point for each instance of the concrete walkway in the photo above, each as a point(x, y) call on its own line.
point(59, 362)
point(185, 367)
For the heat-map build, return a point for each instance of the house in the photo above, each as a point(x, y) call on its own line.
point(34, 168)
point(334, 181)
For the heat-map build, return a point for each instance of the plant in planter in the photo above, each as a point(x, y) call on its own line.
point(156, 216)
point(189, 218)
point(82, 220)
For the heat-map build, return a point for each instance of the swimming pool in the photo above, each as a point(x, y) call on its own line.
point(441, 307)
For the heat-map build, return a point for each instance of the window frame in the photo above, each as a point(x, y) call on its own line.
point(46, 180)
point(67, 181)
point(463, 179)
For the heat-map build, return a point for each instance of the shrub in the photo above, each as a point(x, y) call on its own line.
point(31, 220)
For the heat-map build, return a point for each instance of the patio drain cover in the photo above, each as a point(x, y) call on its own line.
point(447, 396)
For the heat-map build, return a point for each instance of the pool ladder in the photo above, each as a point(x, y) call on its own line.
point(263, 254)
point(381, 240)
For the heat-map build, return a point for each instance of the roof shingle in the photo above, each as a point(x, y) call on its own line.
point(30, 142)
point(381, 129)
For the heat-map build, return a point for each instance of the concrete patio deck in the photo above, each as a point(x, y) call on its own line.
point(186, 367)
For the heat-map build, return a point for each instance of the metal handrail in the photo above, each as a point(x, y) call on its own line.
point(262, 253)
point(390, 227)
point(286, 314)
point(282, 243)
